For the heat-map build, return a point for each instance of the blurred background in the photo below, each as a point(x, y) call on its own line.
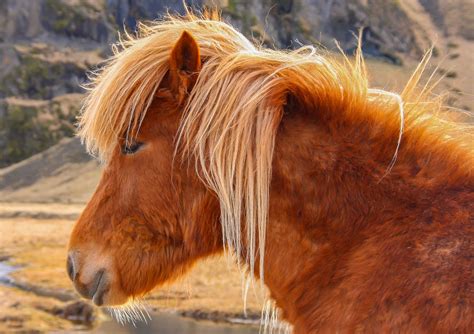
point(46, 48)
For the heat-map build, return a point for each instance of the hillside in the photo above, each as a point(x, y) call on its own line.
point(46, 47)
point(64, 173)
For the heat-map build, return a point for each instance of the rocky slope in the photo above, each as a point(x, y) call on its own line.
point(46, 46)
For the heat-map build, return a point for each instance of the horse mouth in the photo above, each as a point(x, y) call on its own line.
point(100, 288)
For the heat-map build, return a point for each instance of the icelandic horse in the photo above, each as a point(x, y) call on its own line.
point(353, 205)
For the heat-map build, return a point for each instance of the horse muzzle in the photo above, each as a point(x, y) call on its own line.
point(94, 286)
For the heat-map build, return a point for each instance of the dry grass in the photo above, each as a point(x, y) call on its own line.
point(24, 312)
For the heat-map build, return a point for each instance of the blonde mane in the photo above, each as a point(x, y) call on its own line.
point(230, 122)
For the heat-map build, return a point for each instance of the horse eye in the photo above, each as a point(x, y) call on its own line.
point(131, 148)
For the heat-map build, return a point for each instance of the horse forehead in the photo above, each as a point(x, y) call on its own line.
point(162, 114)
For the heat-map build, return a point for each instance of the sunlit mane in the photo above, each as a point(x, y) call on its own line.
point(233, 112)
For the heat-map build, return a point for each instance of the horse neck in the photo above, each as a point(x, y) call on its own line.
point(327, 191)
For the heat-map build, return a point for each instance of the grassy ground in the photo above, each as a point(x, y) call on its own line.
point(25, 311)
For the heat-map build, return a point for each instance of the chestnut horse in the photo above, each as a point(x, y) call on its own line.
point(354, 205)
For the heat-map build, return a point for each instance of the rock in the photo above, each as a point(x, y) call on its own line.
point(128, 13)
point(39, 79)
point(78, 312)
point(455, 17)
point(290, 23)
point(31, 126)
point(86, 21)
point(4, 258)
point(19, 19)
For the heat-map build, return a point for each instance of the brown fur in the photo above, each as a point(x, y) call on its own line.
point(349, 247)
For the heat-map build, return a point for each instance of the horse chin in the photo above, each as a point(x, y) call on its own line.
point(109, 292)
point(111, 298)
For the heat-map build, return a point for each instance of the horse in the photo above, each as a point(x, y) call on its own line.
point(352, 204)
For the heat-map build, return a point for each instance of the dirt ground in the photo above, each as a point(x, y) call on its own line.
point(37, 247)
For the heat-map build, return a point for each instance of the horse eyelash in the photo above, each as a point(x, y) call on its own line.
point(131, 148)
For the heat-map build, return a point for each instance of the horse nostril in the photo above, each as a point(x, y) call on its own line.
point(71, 271)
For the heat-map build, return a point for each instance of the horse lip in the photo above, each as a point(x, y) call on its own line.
point(100, 288)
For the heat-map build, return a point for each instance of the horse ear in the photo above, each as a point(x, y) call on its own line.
point(185, 64)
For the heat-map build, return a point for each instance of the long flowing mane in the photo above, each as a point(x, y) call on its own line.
point(231, 118)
